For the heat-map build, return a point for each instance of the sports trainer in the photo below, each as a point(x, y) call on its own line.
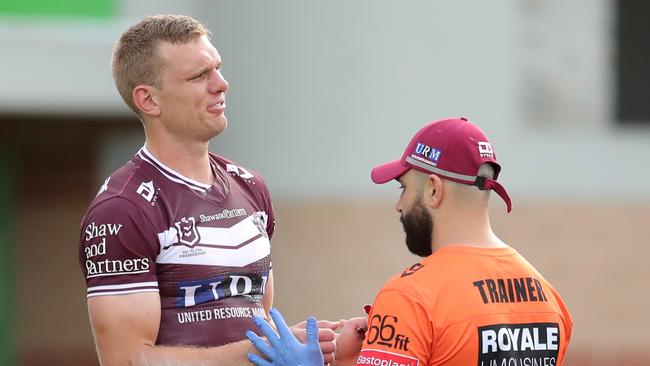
point(175, 248)
point(472, 300)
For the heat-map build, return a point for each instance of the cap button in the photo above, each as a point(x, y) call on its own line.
point(463, 118)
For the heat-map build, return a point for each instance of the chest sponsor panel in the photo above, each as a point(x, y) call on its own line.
point(211, 324)
point(218, 288)
point(529, 344)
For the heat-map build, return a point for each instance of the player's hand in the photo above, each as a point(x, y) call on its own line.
point(283, 348)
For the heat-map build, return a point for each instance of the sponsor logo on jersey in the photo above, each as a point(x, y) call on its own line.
point(219, 314)
point(190, 293)
point(225, 214)
point(95, 246)
point(94, 231)
point(104, 187)
point(108, 267)
point(485, 149)
point(382, 330)
point(518, 344)
point(186, 229)
point(372, 357)
point(409, 271)
point(260, 220)
point(147, 191)
point(237, 170)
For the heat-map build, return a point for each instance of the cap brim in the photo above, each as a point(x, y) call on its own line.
point(387, 172)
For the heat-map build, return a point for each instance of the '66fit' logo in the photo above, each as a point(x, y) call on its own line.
point(382, 331)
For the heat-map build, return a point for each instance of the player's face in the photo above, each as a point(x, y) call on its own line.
point(193, 94)
point(416, 220)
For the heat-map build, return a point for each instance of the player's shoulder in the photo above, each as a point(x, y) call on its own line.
point(130, 186)
point(238, 171)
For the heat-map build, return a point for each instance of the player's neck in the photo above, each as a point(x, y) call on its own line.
point(188, 159)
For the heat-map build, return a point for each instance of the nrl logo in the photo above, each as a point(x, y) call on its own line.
point(186, 229)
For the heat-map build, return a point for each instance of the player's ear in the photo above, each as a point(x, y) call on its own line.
point(145, 98)
point(433, 191)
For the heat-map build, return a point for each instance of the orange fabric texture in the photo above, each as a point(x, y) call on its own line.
point(467, 306)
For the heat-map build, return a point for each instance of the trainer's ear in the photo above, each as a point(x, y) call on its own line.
point(145, 98)
point(433, 191)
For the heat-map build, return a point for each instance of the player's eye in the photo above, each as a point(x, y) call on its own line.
point(199, 76)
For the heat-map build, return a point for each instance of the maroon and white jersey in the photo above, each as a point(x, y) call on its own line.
point(205, 249)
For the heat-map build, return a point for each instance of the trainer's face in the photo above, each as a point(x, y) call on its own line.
point(193, 94)
point(416, 220)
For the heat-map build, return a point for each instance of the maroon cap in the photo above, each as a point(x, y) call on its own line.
point(451, 148)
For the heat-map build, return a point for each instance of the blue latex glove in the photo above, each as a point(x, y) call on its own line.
point(283, 348)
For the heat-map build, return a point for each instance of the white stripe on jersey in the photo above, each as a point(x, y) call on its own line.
point(117, 273)
point(232, 236)
point(123, 286)
point(238, 245)
point(210, 256)
point(122, 292)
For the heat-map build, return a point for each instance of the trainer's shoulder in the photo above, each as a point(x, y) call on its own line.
point(412, 279)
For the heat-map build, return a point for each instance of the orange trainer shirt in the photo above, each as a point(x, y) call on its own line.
point(467, 306)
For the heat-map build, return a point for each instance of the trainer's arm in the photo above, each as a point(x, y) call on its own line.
point(349, 342)
point(126, 327)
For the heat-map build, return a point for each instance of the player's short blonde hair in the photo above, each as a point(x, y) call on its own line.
point(135, 56)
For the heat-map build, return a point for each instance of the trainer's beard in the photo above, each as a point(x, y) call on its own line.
point(418, 226)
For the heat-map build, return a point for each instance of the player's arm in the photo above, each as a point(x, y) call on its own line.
point(126, 327)
point(267, 300)
point(125, 322)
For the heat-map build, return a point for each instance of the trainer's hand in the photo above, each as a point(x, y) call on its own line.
point(326, 337)
point(350, 340)
point(283, 348)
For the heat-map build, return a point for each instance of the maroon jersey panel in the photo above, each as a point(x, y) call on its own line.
point(204, 248)
point(118, 249)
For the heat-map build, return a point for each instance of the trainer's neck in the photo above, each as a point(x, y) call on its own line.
point(456, 229)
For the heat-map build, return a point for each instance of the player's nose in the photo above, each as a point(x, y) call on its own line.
point(218, 83)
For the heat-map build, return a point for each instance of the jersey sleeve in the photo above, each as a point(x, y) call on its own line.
point(400, 331)
point(270, 225)
point(117, 249)
point(567, 324)
point(265, 199)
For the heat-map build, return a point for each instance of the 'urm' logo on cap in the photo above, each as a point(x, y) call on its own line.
point(428, 152)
